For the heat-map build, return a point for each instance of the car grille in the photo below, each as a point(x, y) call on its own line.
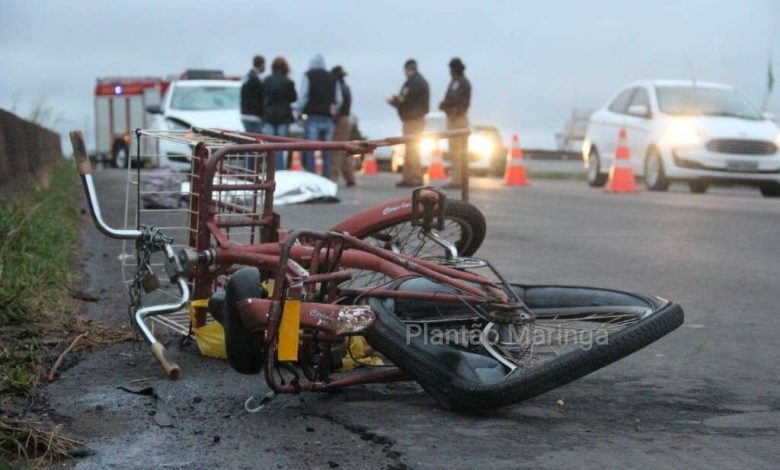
point(742, 146)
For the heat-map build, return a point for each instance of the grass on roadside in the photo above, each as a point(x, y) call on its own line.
point(39, 244)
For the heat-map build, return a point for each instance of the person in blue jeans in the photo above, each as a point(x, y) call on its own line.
point(320, 98)
point(278, 97)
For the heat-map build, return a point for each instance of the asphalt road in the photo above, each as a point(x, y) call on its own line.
point(707, 395)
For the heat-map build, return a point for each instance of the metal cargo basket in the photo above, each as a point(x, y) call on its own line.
point(167, 197)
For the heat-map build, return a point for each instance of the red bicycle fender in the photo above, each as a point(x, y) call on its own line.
point(367, 221)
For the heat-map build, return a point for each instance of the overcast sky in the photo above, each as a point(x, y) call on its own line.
point(530, 62)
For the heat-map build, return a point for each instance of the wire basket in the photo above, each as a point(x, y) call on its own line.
point(167, 196)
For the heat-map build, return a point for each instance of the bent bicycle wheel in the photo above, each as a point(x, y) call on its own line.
point(464, 226)
point(575, 331)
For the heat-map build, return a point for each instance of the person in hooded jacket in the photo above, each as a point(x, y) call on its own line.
point(319, 100)
point(342, 162)
point(278, 96)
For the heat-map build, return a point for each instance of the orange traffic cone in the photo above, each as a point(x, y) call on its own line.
point(621, 175)
point(296, 162)
point(369, 164)
point(436, 167)
point(318, 164)
point(515, 169)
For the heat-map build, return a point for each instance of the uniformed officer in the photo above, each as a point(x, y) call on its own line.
point(456, 105)
point(412, 104)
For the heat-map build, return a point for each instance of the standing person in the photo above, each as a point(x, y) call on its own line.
point(342, 130)
point(278, 96)
point(412, 103)
point(319, 100)
point(252, 96)
point(456, 105)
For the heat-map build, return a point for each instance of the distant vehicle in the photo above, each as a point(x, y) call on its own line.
point(211, 103)
point(487, 152)
point(573, 134)
point(694, 132)
point(120, 104)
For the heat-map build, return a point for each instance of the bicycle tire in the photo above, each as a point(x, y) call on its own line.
point(461, 220)
point(441, 373)
point(244, 348)
point(466, 219)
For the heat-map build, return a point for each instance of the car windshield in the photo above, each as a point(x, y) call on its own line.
point(687, 100)
point(205, 98)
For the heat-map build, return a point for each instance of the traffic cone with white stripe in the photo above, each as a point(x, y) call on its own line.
point(295, 165)
point(369, 164)
point(318, 164)
point(436, 167)
point(515, 174)
point(621, 175)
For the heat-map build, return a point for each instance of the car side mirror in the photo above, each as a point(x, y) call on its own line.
point(154, 109)
point(639, 110)
point(770, 116)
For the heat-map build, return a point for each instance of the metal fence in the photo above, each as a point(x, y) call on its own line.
point(27, 152)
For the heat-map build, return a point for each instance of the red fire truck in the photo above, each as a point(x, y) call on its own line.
point(120, 107)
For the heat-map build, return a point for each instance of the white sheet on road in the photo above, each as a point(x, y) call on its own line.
point(293, 187)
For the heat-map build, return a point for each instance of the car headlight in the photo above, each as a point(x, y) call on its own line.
point(682, 134)
point(777, 140)
point(481, 146)
point(427, 145)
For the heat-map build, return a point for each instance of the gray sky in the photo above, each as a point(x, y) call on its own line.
point(529, 62)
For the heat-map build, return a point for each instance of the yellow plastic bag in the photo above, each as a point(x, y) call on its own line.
point(359, 353)
point(210, 337)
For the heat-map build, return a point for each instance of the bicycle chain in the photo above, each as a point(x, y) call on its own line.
point(151, 241)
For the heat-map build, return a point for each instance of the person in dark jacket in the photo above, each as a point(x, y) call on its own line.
point(456, 105)
point(412, 103)
point(342, 163)
point(252, 96)
point(319, 100)
point(278, 96)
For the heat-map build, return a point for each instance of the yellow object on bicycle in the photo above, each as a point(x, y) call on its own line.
point(289, 331)
point(211, 336)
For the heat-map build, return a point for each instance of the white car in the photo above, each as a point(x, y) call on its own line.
point(195, 103)
point(694, 132)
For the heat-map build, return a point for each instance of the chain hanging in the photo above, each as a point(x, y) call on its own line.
point(145, 280)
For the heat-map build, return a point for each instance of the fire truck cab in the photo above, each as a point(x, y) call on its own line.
point(120, 107)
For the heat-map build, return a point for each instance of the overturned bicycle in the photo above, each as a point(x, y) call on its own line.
point(402, 275)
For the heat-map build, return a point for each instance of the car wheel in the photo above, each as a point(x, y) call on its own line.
point(770, 189)
point(596, 178)
point(698, 187)
point(655, 176)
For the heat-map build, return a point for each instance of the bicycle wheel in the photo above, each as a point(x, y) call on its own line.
point(464, 225)
point(575, 332)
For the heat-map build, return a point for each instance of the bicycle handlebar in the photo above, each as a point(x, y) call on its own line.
point(85, 170)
